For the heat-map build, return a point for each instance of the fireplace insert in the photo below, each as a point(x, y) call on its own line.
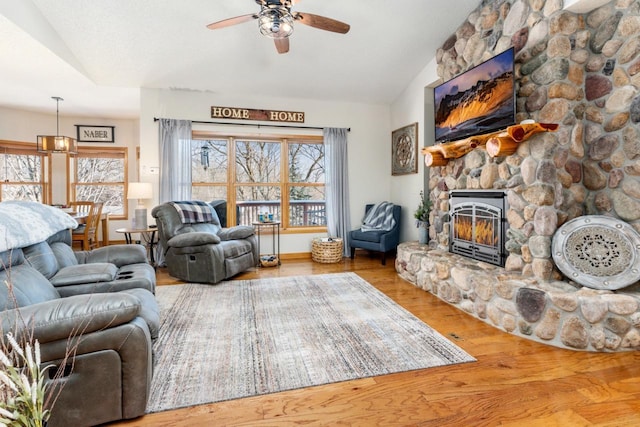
point(478, 225)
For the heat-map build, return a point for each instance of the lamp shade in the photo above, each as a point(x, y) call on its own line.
point(140, 190)
point(56, 144)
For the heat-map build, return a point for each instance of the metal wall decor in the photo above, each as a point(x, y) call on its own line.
point(404, 150)
point(598, 252)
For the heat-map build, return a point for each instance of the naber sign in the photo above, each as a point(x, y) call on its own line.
point(251, 114)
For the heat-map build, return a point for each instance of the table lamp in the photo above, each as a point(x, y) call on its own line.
point(140, 191)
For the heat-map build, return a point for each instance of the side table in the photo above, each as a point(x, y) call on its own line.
point(275, 248)
point(148, 235)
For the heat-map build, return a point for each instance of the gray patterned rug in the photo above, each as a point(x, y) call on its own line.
point(250, 337)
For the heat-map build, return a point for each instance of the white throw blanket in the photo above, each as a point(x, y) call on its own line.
point(25, 223)
point(379, 218)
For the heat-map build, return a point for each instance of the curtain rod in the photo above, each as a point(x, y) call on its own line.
point(155, 119)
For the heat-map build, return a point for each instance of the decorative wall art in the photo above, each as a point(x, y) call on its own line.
point(404, 150)
point(95, 133)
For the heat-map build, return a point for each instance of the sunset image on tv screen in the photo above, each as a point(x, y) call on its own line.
point(481, 100)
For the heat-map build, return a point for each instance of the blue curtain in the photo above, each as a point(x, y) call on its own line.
point(337, 185)
point(175, 160)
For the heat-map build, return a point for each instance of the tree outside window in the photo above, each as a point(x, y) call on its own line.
point(100, 177)
point(22, 173)
point(255, 176)
point(306, 185)
point(209, 169)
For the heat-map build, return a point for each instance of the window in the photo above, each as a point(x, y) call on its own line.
point(99, 176)
point(306, 184)
point(209, 169)
point(22, 172)
point(255, 175)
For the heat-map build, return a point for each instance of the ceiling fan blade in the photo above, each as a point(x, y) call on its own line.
point(282, 45)
point(232, 21)
point(322, 22)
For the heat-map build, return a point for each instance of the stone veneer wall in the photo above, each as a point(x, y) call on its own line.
point(580, 71)
point(554, 312)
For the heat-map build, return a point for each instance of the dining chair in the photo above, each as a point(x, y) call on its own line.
point(87, 234)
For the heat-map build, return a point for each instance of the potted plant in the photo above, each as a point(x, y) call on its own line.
point(422, 218)
point(22, 385)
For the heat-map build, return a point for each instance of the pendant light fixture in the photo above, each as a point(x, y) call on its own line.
point(57, 143)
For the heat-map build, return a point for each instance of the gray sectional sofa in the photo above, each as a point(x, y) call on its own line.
point(104, 300)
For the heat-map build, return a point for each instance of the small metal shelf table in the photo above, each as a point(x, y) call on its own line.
point(275, 242)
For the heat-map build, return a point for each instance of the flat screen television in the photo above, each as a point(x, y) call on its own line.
point(480, 100)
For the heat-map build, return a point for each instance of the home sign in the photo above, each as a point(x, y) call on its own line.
point(95, 133)
point(252, 114)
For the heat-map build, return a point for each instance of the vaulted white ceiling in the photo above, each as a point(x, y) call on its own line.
point(97, 54)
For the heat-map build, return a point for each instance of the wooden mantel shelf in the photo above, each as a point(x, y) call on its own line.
point(501, 143)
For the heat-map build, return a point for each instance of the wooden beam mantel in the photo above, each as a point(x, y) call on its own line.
point(501, 143)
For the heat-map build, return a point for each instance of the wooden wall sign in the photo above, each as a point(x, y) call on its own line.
point(252, 114)
point(94, 133)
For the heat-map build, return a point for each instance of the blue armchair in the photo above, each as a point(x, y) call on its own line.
point(379, 241)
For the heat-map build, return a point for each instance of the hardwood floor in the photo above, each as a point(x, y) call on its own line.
point(514, 382)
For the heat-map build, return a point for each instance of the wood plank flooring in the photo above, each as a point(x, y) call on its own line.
point(515, 382)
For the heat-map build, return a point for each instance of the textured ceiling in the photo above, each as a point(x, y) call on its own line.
point(97, 54)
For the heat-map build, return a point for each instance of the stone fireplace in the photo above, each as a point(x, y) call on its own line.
point(479, 225)
point(582, 72)
point(579, 71)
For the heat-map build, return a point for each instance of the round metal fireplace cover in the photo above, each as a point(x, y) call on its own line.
point(598, 251)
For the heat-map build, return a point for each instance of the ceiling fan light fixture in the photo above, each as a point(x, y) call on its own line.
point(275, 23)
point(57, 143)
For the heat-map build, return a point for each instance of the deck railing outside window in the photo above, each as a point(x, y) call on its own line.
point(301, 213)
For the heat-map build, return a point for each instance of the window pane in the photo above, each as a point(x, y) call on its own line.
point(306, 163)
point(100, 177)
point(21, 168)
point(110, 195)
point(99, 169)
point(257, 161)
point(22, 192)
point(209, 161)
point(208, 193)
point(253, 200)
point(307, 206)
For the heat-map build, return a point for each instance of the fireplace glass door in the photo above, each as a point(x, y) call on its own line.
point(477, 227)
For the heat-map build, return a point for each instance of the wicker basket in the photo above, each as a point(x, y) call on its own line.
point(326, 250)
point(269, 260)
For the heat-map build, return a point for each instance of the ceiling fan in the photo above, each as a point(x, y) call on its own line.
point(275, 20)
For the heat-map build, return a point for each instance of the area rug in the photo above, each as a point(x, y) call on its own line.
point(251, 337)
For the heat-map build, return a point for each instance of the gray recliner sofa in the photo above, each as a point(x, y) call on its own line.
point(104, 300)
point(197, 249)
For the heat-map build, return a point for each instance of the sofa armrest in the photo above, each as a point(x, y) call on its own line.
point(236, 233)
point(119, 255)
point(73, 316)
point(186, 240)
point(104, 375)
